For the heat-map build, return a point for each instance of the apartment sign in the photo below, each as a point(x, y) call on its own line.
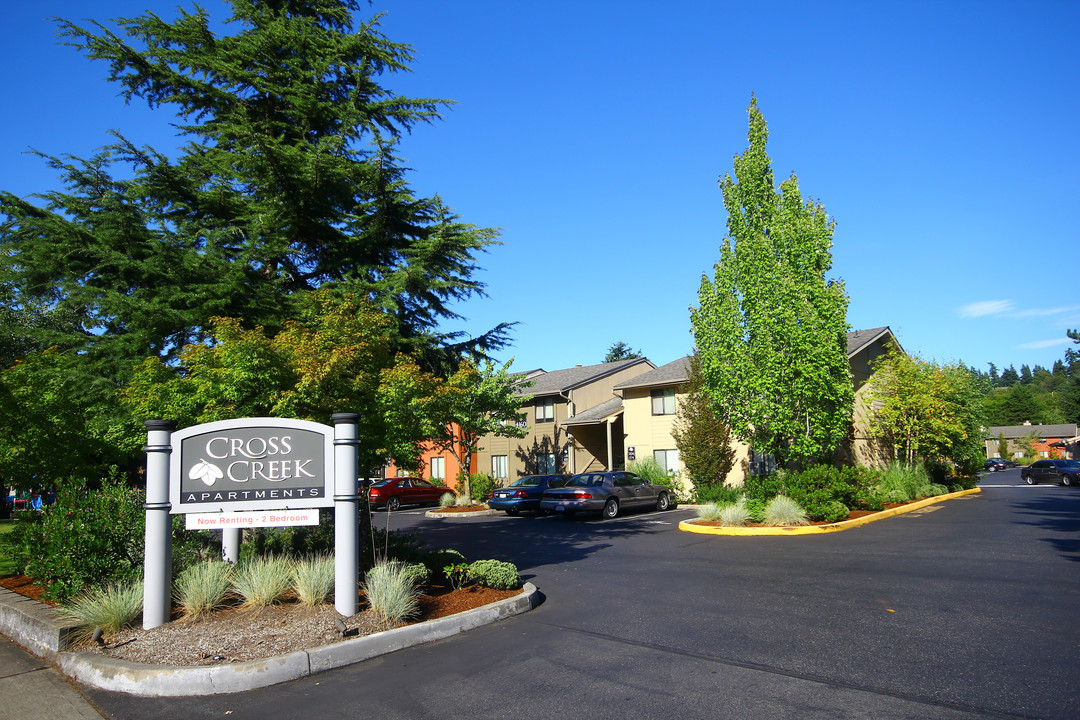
point(252, 464)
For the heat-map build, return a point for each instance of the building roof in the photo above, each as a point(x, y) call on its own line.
point(674, 373)
point(560, 381)
point(857, 340)
point(1012, 432)
point(597, 413)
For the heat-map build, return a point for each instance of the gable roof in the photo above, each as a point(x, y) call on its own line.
point(596, 414)
point(560, 381)
point(674, 373)
point(1012, 432)
point(858, 340)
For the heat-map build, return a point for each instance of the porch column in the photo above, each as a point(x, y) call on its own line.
point(607, 427)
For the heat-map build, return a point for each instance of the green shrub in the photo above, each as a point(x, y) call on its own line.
point(418, 574)
point(756, 509)
point(734, 515)
point(783, 511)
point(931, 490)
point(390, 592)
point(313, 579)
point(902, 483)
point(709, 512)
point(822, 484)
point(833, 511)
point(719, 494)
point(111, 608)
point(92, 536)
point(202, 588)
point(447, 500)
point(763, 487)
point(481, 485)
point(495, 574)
point(261, 582)
point(294, 542)
point(436, 560)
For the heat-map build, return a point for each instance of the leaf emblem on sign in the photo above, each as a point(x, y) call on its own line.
point(206, 471)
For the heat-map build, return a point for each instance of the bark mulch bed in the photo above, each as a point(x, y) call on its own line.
point(236, 634)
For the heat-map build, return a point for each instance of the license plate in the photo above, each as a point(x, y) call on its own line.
point(559, 508)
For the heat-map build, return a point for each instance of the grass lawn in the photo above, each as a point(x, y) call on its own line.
point(7, 567)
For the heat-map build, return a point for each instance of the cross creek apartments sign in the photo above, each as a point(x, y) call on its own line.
point(252, 464)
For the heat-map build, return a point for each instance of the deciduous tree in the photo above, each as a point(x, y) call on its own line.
point(925, 411)
point(770, 327)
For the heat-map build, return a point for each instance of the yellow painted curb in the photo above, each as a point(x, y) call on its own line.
point(692, 526)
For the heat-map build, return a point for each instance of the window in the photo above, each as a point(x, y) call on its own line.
point(668, 460)
point(762, 463)
point(545, 463)
point(438, 468)
point(663, 401)
point(498, 466)
point(545, 410)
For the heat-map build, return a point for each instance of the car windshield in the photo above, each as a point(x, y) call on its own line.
point(527, 482)
point(587, 480)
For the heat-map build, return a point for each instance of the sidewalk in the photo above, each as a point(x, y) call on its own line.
point(32, 689)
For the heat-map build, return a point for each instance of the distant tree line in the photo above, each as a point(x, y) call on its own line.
point(1034, 394)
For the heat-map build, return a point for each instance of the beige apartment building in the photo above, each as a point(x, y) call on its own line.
point(600, 417)
point(574, 423)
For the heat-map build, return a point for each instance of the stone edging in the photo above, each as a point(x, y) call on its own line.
point(174, 681)
point(461, 515)
point(692, 526)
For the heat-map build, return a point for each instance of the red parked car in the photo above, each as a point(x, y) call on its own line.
point(395, 492)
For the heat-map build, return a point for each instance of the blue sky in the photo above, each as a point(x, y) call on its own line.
point(941, 136)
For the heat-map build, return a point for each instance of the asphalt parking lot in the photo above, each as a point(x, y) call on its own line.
point(965, 609)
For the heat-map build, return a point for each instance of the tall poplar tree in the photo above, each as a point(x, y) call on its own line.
point(770, 327)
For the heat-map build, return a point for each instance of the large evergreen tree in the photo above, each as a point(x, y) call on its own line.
point(288, 182)
point(770, 328)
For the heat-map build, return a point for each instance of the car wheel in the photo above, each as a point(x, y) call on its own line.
point(611, 508)
point(511, 511)
point(1066, 480)
point(393, 503)
point(1029, 479)
point(662, 502)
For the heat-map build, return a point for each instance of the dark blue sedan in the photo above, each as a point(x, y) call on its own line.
point(525, 493)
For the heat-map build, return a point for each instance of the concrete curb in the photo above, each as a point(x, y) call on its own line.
point(36, 626)
point(461, 515)
point(171, 681)
point(692, 526)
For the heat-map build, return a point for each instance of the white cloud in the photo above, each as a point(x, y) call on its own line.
point(1048, 311)
point(986, 307)
point(1040, 344)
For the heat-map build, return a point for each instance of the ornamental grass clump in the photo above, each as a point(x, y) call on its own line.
point(112, 608)
point(447, 500)
point(261, 582)
point(709, 512)
point(313, 579)
point(734, 514)
point(202, 588)
point(902, 483)
point(783, 511)
point(390, 592)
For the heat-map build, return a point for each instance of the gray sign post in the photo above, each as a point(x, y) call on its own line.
point(157, 562)
point(346, 513)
